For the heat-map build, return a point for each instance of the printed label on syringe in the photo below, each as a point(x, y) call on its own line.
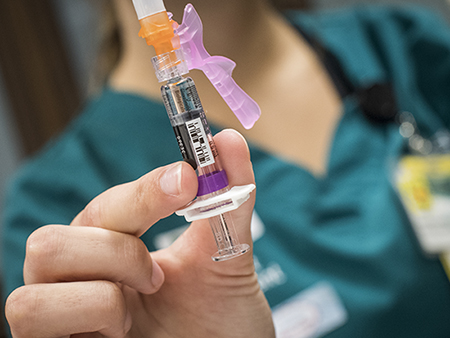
point(200, 142)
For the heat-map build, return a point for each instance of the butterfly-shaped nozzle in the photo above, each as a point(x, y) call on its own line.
point(218, 69)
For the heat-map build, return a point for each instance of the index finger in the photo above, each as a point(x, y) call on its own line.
point(133, 207)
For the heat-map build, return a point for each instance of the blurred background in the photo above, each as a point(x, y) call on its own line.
point(49, 62)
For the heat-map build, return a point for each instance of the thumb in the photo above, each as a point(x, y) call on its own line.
point(235, 159)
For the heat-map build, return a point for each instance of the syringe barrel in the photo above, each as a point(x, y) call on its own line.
point(193, 135)
point(198, 149)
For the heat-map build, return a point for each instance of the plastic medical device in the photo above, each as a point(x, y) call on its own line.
point(179, 48)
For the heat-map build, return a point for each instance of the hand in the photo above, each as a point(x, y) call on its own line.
point(96, 278)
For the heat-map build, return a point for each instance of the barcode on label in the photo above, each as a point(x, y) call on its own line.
point(200, 143)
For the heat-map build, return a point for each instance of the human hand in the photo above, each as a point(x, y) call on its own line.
point(96, 278)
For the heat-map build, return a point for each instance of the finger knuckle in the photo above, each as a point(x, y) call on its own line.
point(144, 194)
point(134, 252)
point(112, 304)
point(44, 244)
point(112, 298)
point(92, 215)
point(20, 309)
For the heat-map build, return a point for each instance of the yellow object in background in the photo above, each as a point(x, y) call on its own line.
point(423, 183)
point(445, 260)
point(412, 182)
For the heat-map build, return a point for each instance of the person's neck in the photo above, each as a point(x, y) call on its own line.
point(226, 23)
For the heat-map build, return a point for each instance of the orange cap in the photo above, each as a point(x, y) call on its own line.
point(158, 31)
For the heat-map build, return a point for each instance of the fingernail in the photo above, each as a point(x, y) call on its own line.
point(237, 133)
point(170, 181)
point(157, 275)
point(128, 322)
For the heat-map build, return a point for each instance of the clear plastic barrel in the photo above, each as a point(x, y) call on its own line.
point(197, 147)
point(194, 135)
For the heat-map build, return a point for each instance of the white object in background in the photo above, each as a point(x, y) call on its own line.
point(312, 313)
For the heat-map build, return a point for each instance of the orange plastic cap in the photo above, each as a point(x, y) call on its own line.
point(158, 31)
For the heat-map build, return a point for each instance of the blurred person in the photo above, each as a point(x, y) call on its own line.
point(326, 211)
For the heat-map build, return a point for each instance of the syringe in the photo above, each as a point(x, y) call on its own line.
point(197, 146)
point(178, 49)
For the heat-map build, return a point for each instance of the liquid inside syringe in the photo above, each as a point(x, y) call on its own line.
point(198, 149)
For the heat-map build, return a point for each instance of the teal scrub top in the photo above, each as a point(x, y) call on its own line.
point(347, 229)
